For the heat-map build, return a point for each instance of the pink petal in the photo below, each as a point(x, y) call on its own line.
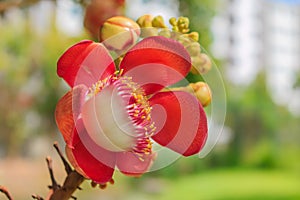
point(181, 122)
point(156, 62)
point(89, 159)
point(85, 63)
point(67, 111)
point(131, 164)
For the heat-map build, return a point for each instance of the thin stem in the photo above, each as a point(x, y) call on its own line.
point(71, 183)
point(34, 196)
point(54, 185)
point(65, 162)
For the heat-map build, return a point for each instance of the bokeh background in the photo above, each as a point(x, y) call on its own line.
point(254, 43)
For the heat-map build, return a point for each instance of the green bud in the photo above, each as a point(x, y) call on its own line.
point(173, 21)
point(194, 36)
point(175, 28)
point(184, 30)
point(158, 22)
point(201, 64)
point(194, 49)
point(184, 21)
point(206, 64)
point(202, 92)
point(145, 21)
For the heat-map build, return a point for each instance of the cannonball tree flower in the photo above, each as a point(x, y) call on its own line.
point(113, 114)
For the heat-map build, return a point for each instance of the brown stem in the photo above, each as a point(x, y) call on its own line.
point(37, 197)
point(57, 192)
point(71, 183)
point(5, 191)
point(68, 168)
point(54, 185)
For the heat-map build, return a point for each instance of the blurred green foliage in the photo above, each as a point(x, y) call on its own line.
point(28, 82)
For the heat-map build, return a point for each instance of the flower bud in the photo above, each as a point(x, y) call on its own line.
point(194, 36)
point(175, 28)
point(129, 29)
point(158, 22)
point(145, 21)
point(183, 24)
point(97, 11)
point(206, 63)
point(193, 49)
point(202, 92)
point(173, 21)
point(201, 64)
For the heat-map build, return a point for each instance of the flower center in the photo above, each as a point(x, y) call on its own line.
point(117, 115)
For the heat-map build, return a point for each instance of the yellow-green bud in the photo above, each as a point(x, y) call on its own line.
point(193, 49)
point(175, 28)
point(183, 24)
point(173, 21)
point(206, 63)
point(145, 21)
point(129, 29)
point(194, 36)
point(158, 22)
point(202, 92)
point(201, 64)
point(184, 20)
point(196, 62)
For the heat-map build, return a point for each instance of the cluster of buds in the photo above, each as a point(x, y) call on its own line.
point(180, 25)
point(200, 61)
point(147, 26)
point(151, 26)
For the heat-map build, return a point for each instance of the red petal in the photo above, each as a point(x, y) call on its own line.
point(67, 109)
point(85, 63)
point(180, 120)
point(156, 62)
point(89, 159)
point(131, 164)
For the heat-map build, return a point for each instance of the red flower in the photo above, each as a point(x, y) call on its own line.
point(109, 118)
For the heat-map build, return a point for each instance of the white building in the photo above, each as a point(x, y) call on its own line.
point(261, 34)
